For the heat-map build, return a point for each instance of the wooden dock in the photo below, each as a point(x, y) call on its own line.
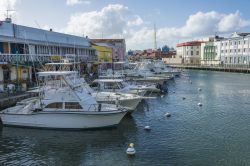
point(225, 68)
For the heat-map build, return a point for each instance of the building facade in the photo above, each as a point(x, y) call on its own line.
point(189, 52)
point(118, 47)
point(23, 47)
point(104, 53)
point(209, 53)
point(235, 49)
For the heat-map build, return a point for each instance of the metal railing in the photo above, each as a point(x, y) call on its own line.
point(22, 58)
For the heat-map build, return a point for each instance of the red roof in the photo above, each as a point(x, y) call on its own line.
point(192, 43)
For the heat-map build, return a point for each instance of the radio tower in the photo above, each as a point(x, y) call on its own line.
point(155, 42)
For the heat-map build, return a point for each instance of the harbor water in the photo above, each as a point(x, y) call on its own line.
point(216, 133)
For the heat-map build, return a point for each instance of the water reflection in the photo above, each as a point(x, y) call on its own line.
point(37, 147)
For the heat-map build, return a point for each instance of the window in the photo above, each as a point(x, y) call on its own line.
point(191, 52)
point(110, 85)
point(55, 105)
point(72, 105)
point(239, 42)
point(197, 52)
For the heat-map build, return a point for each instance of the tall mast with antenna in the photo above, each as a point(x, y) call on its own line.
point(155, 42)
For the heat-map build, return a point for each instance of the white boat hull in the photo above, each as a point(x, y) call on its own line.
point(63, 120)
point(129, 104)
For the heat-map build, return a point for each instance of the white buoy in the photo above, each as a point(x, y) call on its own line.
point(147, 128)
point(167, 114)
point(131, 149)
point(199, 89)
point(199, 104)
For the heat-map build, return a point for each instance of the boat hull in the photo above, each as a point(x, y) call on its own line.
point(129, 104)
point(66, 120)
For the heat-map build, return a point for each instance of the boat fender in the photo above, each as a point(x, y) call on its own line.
point(167, 114)
point(131, 150)
point(147, 128)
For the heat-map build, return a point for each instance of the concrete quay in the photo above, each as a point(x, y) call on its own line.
point(223, 68)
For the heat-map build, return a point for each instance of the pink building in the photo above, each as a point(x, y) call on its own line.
point(118, 47)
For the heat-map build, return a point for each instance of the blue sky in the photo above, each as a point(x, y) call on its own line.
point(176, 20)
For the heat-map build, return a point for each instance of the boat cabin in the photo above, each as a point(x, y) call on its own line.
point(108, 84)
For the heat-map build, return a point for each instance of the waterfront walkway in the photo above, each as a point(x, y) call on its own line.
point(224, 68)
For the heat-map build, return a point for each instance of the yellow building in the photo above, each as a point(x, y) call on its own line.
point(104, 53)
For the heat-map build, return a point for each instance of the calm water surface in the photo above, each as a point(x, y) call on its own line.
point(218, 133)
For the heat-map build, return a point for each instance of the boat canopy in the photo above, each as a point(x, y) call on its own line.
point(56, 73)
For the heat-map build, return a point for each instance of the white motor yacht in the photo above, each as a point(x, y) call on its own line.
point(125, 100)
point(61, 105)
point(119, 85)
point(128, 101)
point(159, 67)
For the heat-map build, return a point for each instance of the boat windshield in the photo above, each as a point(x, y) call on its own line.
point(57, 105)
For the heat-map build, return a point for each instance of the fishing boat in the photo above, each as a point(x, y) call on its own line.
point(62, 104)
point(128, 101)
point(119, 85)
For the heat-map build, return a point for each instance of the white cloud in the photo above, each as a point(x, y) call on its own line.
point(136, 21)
point(7, 5)
point(197, 26)
point(111, 21)
point(76, 2)
point(118, 21)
